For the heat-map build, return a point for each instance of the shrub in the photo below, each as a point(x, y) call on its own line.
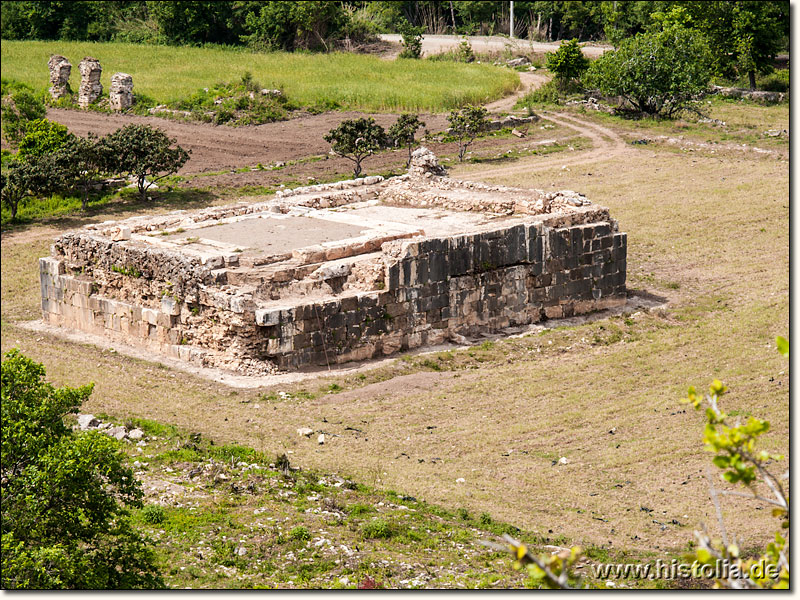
point(24, 179)
point(377, 529)
point(19, 106)
point(153, 514)
point(42, 137)
point(466, 124)
point(296, 25)
point(80, 161)
point(64, 494)
point(412, 39)
point(356, 139)
point(144, 152)
point(659, 74)
point(300, 533)
point(568, 62)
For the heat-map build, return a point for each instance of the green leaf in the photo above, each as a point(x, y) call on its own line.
point(783, 345)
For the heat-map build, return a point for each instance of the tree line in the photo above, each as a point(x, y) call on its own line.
point(316, 24)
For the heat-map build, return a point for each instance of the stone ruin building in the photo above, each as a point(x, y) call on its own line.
point(120, 95)
point(60, 70)
point(91, 89)
point(337, 272)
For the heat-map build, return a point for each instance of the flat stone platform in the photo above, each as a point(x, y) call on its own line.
point(337, 272)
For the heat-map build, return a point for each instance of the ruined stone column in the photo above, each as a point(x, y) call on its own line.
point(425, 164)
point(91, 88)
point(60, 69)
point(120, 96)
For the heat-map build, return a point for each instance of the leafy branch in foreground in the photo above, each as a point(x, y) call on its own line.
point(736, 454)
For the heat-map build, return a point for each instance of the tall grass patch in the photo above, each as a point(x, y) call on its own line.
point(168, 74)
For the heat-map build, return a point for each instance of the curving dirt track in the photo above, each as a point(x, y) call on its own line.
point(605, 144)
point(435, 44)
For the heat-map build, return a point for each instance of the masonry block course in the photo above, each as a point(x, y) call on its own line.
point(407, 262)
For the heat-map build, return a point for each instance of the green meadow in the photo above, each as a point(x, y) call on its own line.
point(167, 74)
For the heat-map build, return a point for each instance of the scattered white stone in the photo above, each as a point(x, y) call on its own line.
point(461, 480)
point(305, 431)
point(241, 551)
point(87, 422)
point(135, 434)
point(563, 460)
point(321, 439)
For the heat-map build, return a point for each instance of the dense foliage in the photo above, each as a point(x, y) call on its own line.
point(568, 62)
point(18, 107)
point(295, 24)
point(64, 494)
point(659, 74)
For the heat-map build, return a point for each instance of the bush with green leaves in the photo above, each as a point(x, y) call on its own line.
point(65, 523)
point(568, 62)
point(403, 132)
point(659, 74)
point(43, 137)
point(291, 26)
point(466, 124)
point(356, 139)
point(412, 39)
point(23, 179)
point(144, 152)
point(734, 446)
point(80, 163)
point(18, 107)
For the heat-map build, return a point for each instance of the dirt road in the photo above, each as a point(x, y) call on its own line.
point(434, 44)
point(606, 144)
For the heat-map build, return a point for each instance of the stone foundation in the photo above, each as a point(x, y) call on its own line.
point(91, 89)
point(337, 272)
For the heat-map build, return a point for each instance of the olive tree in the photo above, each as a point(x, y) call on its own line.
point(80, 162)
point(466, 124)
point(659, 74)
point(144, 152)
point(403, 132)
point(356, 139)
point(24, 179)
point(65, 523)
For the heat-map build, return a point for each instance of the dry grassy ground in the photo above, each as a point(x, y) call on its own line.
point(707, 230)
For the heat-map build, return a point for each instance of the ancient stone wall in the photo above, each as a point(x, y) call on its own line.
point(165, 283)
point(91, 89)
point(60, 70)
point(121, 93)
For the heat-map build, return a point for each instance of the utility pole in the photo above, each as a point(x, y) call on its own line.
point(511, 32)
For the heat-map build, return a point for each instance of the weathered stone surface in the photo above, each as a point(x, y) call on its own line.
point(120, 95)
point(434, 259)
point(91, 89)
point(60, 70)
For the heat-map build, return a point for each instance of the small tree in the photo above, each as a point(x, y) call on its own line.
point(412, 39)
point(567, 63)
point(144, 152)
point(17, 109)
point(466, 124)
point(660, 74)
point(64, 521)
point(42, 138)
point(403, 131)
point(80, 162)
point(356, 139)
point(26, 178)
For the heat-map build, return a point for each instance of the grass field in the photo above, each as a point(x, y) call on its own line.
point(708, 231)
point(362, 82)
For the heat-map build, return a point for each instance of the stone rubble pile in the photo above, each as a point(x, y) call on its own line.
point(60, 69)
point(91, 89)
point(121, 92)
point(87, 422)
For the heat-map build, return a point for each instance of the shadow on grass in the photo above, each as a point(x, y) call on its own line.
point(117, 206)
